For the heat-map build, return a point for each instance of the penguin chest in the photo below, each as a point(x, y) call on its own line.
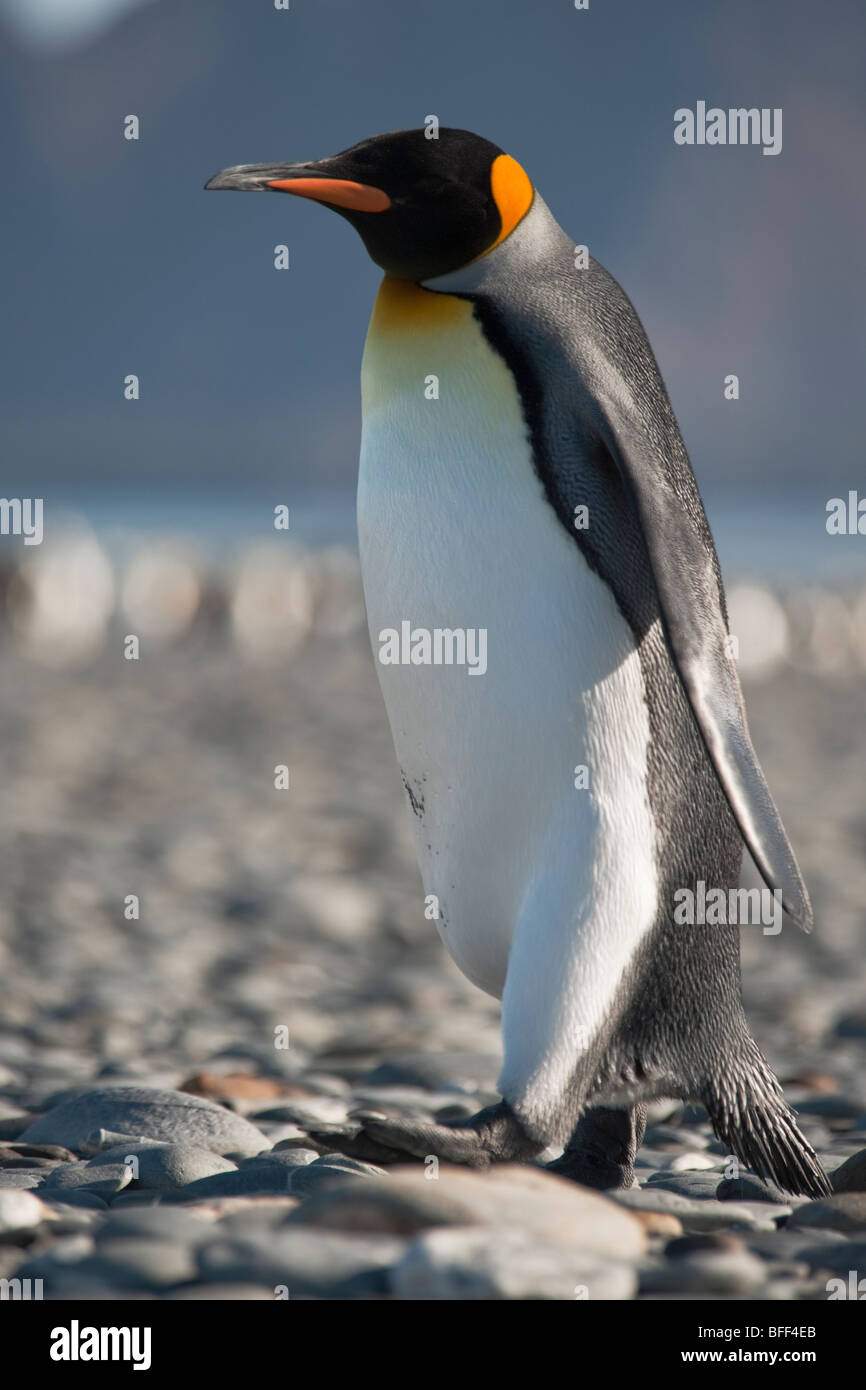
point(508, 673)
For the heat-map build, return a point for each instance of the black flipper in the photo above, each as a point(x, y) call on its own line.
point(692, 608)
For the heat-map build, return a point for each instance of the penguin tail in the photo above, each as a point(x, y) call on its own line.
point(752, 1117)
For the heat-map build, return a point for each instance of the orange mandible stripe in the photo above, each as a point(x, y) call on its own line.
point(341, 193)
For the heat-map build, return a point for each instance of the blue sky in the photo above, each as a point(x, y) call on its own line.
point(116, 261)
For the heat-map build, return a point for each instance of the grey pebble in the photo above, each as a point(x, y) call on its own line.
point(282, 1133)
point(154, 1223)
point(310, 1112)
point(282, 1177)
point(59, 1266)
point(262, 1214)
point(20, 1211)
point(706, 1214)
point(40, 1153)
point(840, 1257)
point(410, 1099)
point(314, 1177)
point(302, 1146)
point(672, 1134)
point(126, 1262)
point(135, 1197)
point(13, 1126)
point(784, 1244)
point(651, 1160)
point(162, 1167)
point(707, 1271)
point(832, 1107)
point(813, 1290)
point(689, 1184)
point(846, 1212)
point(291, 1157)
point(482, 1263)
point(438, 1071)
point(173, 1116)
point(694, 1161)
point(102, 1140)
point(45, 1165)
point(305, 1260)
point(851, 1175)
point(271, 1180)
point(21, 1177)
point(819, 1133)
point(104, 1179)
point(508, 1197)
point(458, 1110)
point(749, 1188)
point(74, 1197)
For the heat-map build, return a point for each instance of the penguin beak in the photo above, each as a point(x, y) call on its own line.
point(304, 180)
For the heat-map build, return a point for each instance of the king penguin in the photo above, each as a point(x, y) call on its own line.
point(522, 475)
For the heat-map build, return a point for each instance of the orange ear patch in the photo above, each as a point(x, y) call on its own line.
point(339, 193)
point(512, 193)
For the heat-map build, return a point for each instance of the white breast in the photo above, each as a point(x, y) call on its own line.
point(544, 889)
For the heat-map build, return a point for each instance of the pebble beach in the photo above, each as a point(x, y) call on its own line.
point(205, 977)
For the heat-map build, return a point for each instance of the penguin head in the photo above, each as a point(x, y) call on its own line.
point(422, 206)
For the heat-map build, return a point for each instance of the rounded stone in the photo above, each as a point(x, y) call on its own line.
point(684, 1247)
point(40, 1153)
point(509, 1195)
point(303, 1261)
point(20, 1211)
point(21, 1178)
point(103, 1179)
point(75, 1197)
point(659, 1223)
point(845, 1212)
point(437, 1071)
point(472, 1263)
point(153, 1223)
point(714, 1271)
point(689, 1184)
point(289, 1157)
point(705, 1214)
point(749, 1188)
point(325, 1172)
point(851, 1176)
point(838, 1256)
point(271, 1180)
point(159, 1167)
point(129, 1263)
point(172, 1116)
point(696, 1160)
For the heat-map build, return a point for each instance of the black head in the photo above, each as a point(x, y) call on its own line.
point(422, 206)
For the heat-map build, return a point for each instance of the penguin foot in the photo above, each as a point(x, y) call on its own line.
point(602, 1149)
point(590, 1171)
point(494, 1135)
